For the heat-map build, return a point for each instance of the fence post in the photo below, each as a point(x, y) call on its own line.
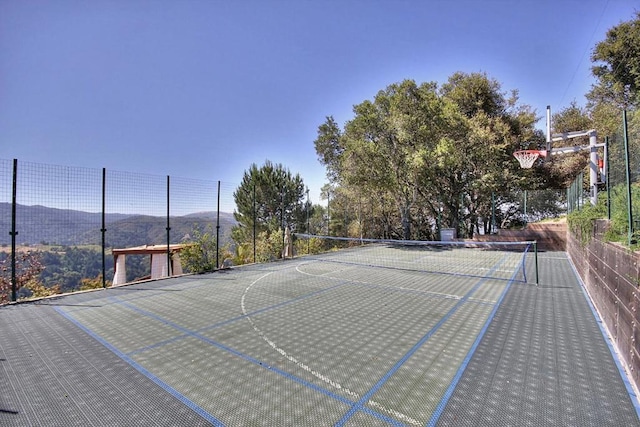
point(535, 251)
point(625, 133)
point(254, 222)
point(329, 214)
point(168, 231)
point(103, 230)
point(308, 228)
point(493, 213)
point(606, 159)
point(282, 219)
point(13, 232)
point(218, 230)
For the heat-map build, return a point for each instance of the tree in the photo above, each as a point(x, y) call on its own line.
point(424, 157)
point(382, 150)
point(199, 255)
point(28, 268)
point(270, 198)
point(617, 66)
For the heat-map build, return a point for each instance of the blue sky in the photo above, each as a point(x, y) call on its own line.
point(203, 89)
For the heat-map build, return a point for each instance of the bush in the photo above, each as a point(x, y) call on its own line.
point(199, 255)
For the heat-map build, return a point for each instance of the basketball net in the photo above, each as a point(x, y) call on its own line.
point(528, 157)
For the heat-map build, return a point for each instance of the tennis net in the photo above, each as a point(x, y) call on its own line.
point(515, 261)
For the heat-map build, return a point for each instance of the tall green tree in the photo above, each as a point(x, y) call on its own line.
point(269, 197)
point(495, 126)
point(436, 155)
point(617, 66)
point(382, 149)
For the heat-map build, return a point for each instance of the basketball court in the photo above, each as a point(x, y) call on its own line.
point(333, 339)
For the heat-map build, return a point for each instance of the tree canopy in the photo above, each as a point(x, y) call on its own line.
point(617, 66)
point(424, 156)
point(269, 199)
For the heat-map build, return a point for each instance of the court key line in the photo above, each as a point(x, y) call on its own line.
point(359, 405)
point(174, 392)
point(310, 370)
point(337, 385)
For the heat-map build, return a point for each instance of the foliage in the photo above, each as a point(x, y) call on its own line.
point(619, 226)
point(617, 66)
point(417, 157)
point(38, 290)
point(308, 246)
point(92, 283)
point(279, 200)
point(199, 255)
point(66, 266)
point(244, 253)
point(581, 221)
point(269, 246)
point(270, 198)
point(28, 267)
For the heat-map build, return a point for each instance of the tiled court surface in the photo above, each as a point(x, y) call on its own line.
point(309, 344)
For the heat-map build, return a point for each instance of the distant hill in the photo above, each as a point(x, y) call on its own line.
point(150, 230)
point(40, 224)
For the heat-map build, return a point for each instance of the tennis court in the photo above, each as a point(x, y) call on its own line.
point(374, 335)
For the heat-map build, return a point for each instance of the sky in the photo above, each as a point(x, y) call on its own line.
point(202, 89)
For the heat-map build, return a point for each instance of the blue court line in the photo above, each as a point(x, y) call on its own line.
point(234, 319)
point(182, 398)
point(343, 282)
point(456, 379)
point(607, 339)
point(251, 359)
point(359, 405)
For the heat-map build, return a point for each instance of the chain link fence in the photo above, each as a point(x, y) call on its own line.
point(619, 193)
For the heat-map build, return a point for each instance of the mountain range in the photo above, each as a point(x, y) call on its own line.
point(44, 225)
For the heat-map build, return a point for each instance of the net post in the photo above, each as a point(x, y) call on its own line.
point(535, 256)
point(13, 232)
point(103, 230)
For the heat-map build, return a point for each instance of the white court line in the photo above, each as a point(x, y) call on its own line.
point(440, 294)
point(355, 396)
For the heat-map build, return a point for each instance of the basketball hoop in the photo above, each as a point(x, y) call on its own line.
point(528, 157)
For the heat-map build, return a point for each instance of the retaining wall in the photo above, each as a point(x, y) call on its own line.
point(551, 236)
point(611, 275)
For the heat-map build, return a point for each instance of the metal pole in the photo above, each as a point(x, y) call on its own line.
point(535, 251)
point(548, 127)
point(254, 222)
point(103, 230)
point(328, 213)
point(493, 213)
point(593, 168)
point(628, 175)
point(168, 232)
point(282, 220)
point(526, 218)
point(13, 232)
point(218, 230)
point(606, 176)
point(308, 224)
